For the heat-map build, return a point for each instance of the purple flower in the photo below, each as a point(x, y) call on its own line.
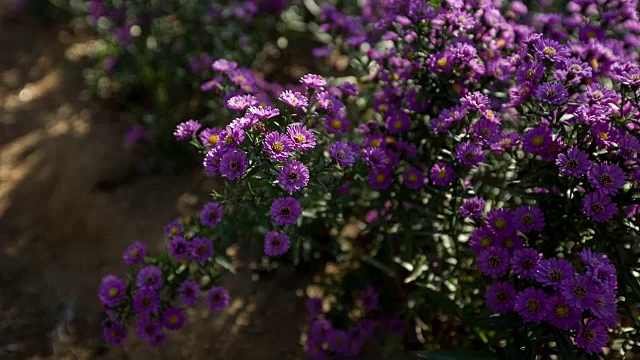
point(337, 124)
point(528, 218)
point(342, 153)
point(375, 157)
point(294, 99)
point(599, 207)
point(211, 162)
point(209, 137)
point(211, 214)
point(301, 137)
point(241, 102)
point(531, 305)
point(115, 333)
point(561, 313)
point(537, 140)
point(604, 308)
point(263, 112)
point(146, 302)
point(217, 298)
point(293, 176)
point(500, 221)
point(580, 292)
point(224, 66)
point(530, 72)
point(380, 179)
point(552, 93)
point(574, 163)
point(441, 174)
point(591, 337)
point(134, 254)
point(398, 123)
point(550, 50)
point(189, 292)
point(338, 341)
point(285, 211)
point(500, 296)
point(482, 238)
point(469, 154)
point(553, 272)
point(276, 243)
point(472, 207)
point(525, 262)
point(173, 318)
point(112, 291)
point(606, 178)
point(233, 164)
point(413, 178)
point(201, 249)
point(313, 81)
point(186, 129)
point(494, 262)
point(349, 88)
point(150, 330)
point(179, 248)
point(231, 137)
point(150, 277)
point(278, 146)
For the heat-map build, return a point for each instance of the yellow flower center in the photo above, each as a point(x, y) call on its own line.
point(398, 124)
point(412, 178)
point(457, 88)
point(500, 224)
point(442, 62)
point(501, 43)
point(213, 139)
point(299, 138)
point(277, 147)
point(537, 141)
point(591, 34)
point(174, 230)
point(485, 242)
point(380, 178)
point(375, 143)
point(594, 64)
point(603, 135)
point(336, 124)
point(442, 173)
point(508, 243)
point(113, 292)
point(562, 311)
point(173, 319)
point(549, 51)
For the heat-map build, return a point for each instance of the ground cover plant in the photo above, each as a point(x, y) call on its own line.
point(488, 157)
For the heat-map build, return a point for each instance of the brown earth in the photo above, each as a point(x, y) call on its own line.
point(59, 234)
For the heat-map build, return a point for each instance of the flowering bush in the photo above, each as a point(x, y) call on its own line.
point(479, 140)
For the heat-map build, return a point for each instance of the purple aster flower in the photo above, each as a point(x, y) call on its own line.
point(186, 129)
point(574, 163)
point(149, 277)
point(604, 308)
point(313, 81)
point(224, 65)
point(211, 214)
point(398, 123)
point(607, 179)
point(179, 248)
point(483, 238)
point(278, 146)
point(209, 137)
point(494, 261)
point(231, 137)
point(134, 254)
point(500, 296)
point(591, 337)
point(233, 164)
point(511, 241)
point(173, 318)
point(189, 292)
point(530, 72)
point(115, 333)
point(550, 50)
point(112, 291)
point(599, 207)
point(301, 137)
point(469, 154)
point(475, 101)
point(413, 178)
point(294, 99)
point(285, 211)
point(375, 157)
point(263, 112)
point(500, 221)
point(241, 102)
point(201, 249)
point(293, 176)
point(525, 262)
point(580, 292)
point(472, 207)
point(485, 130)
point(561, 313)
point(148, 329)
point(338, 341)
point(441, 174)
point(337, 124)
point(380, 179)
point(528, 218)
point(342, 153)
point(211, 162)
point(537, 140)
point(573, 71)
point(592, 260)
point(146, 302)
point(217, 298)
point(174, 228)
point(349, 88)
point(276, 243)
point(531, 305)
point(552, 93)
point(553, 272)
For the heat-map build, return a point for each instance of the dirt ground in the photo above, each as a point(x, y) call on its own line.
point(59, 234)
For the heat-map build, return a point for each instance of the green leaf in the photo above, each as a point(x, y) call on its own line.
point(455, 355)
point(225, 264)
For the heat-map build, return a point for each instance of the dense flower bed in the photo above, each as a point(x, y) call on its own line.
point(489, 157)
